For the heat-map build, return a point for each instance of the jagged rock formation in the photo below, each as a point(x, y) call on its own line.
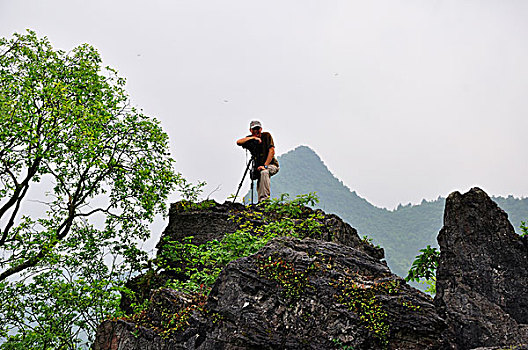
point(213, 221)
point(310, 294)
point(294, 294)
point(204, 224)
point(329, 292)
point(482, 277)
point(334, 291)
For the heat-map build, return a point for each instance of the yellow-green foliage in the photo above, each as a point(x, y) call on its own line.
point(186, 205)
point(170, 322)
point(363, 299)
point(292, 282)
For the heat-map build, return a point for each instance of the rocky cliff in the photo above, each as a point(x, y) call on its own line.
point(317, 285)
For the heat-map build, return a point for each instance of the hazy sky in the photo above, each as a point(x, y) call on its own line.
point(403, 100)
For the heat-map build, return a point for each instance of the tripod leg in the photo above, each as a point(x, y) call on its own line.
point(242, 181)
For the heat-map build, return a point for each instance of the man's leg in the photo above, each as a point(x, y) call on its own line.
point(264, 183)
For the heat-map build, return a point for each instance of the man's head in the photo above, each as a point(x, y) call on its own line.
point(255, 128)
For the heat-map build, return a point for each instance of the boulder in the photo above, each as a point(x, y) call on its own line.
point(203, 221)
point(292, 294)
point(311, 294)
point(482, 276)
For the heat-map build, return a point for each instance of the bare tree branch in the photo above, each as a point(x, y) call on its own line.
point(16, 194)
point(15, 44)
point(213, 191)
point(11, 222)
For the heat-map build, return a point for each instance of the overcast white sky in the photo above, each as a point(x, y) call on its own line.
point(403, 100)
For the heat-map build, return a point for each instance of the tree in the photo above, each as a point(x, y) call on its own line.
point(98, 170)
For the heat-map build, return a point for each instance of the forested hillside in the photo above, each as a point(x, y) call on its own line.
point(401, 232)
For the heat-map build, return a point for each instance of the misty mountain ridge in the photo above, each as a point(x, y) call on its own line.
point(402, 232)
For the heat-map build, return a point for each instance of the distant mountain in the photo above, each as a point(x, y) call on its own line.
point(402, 232)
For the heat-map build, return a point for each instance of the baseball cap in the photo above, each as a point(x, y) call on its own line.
point(254, 124)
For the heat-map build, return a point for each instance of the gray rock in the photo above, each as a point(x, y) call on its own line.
point(255, 311)
point(204, 224)
point(482, 277)
point(292, 294)
point(159, 327)
point(122, 335)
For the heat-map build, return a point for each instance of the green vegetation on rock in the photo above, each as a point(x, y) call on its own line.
point(292, 283)
point(424, 267)
point(198, 266)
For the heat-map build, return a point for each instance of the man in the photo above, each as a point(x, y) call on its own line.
point(266, 162)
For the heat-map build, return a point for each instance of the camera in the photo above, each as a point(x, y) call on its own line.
point(252, 146)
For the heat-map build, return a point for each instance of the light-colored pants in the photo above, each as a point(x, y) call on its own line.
point(264, 183)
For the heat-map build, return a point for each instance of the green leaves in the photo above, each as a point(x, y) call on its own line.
point(284, 206)
point(424, 266)
point(66, 121)
point(64, 301)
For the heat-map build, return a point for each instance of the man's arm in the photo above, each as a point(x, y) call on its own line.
point(246, 139)
point(271, 154)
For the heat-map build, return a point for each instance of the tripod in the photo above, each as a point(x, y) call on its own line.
point(251, 164)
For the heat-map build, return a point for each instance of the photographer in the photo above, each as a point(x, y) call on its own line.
point(261, 145)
